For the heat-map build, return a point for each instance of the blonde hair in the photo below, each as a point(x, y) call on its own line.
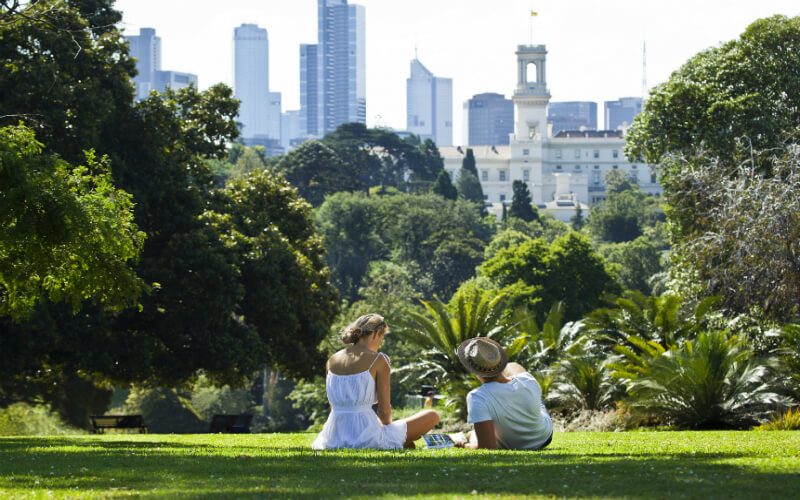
point(363, 326)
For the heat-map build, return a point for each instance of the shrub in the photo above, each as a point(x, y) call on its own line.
point(22, 419)
point(711, 382)
point(786, 421)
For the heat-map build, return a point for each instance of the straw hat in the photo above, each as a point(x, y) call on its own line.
point(482, 356)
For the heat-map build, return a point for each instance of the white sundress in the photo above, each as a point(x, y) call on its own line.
point(352, 423)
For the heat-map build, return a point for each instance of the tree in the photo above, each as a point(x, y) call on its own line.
point(743, 238)
point(468, 163)
point(67, 82)
point(577, 220)
point(467, 181)
point(316, 170)
point(522, 203)
point(66, 234)
point(538, 275)
point(441, 329)
point(443, 187)
point(636, 262)
point(746, 89)
point(469, 187)
point(621, 217)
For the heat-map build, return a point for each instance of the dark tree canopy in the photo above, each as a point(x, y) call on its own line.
point(747, 89)
point(443, 187)
point(522, 203)
point(537, 275)
point(237, 277)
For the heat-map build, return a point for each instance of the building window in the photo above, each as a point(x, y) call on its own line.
point(451, 175)
point(484, 175)
point(526, 152)
point(502, 198)
point(615, 153)
point(633, 167)
point(526, 175)
point(596, 177)
point(597, 167)
point(558, 154)
point(635, 177)
point(558, 167)
point(502, 175)
point(652, 178)
point(577, 153)
point(597, 153)
point(578, 168)
point(615, 167)
point(486, 197)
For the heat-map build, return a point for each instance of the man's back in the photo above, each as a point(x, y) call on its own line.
point(516, 410)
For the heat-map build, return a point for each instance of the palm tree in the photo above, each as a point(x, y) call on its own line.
point(584, 381)
point(664, 320)
point(440, 331)
point(709, 382)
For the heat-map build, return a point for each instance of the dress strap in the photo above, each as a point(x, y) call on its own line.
point(385, 357)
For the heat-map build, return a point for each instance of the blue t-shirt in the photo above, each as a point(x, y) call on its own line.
point(520, 419)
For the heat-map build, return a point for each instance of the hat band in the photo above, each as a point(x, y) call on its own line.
point(484, 369)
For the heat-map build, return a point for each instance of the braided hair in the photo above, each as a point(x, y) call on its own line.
point(363, 326)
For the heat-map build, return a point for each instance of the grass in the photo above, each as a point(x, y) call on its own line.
point(725, 465)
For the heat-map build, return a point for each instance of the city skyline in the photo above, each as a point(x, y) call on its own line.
point(596, 56)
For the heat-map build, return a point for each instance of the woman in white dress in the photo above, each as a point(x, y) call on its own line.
point(358, 377)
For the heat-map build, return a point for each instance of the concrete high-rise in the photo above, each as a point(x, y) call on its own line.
point(146, 49)
point(488, 119)
point(429, 105)
point(621, 112)
point(572, 115)
point(333, 71)
point(260, 109)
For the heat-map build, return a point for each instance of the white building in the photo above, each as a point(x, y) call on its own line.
point(429, 105)
point(562, 170)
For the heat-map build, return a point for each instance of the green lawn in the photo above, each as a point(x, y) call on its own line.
point(665, 465)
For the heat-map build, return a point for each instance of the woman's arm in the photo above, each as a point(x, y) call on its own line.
point(382, 374)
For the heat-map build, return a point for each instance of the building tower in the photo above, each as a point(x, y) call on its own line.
point(339, 58)
point(488, 119)
point(620, 113)
point(259, 112)
point(146, 49)
point(531, 95)
point(429, 105)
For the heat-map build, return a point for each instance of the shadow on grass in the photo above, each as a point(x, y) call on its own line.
point(230, 470)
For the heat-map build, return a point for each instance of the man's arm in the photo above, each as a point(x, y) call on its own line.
point(484, 437)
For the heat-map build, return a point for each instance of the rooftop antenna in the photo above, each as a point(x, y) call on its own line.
point(644, 70)
point(416, 56)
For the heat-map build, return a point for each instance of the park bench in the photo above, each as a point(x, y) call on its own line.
point(231, 423)
point(101, 423)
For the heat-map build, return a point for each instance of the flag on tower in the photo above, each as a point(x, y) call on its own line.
point(534, 14)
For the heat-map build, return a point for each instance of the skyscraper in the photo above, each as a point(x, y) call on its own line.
point(429, 105)
point(489, 119)
point(146, 49)
point(572, 115)
point(260, 109)
point(334, 70)
point(622, 112)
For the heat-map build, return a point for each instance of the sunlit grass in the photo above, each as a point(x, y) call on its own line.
point(577, 465)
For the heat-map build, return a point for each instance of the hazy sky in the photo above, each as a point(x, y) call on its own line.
point(594, 47)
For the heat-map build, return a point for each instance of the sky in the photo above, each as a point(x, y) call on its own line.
point(594, 47)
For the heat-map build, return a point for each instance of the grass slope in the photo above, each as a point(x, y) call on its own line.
point(634, 465)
